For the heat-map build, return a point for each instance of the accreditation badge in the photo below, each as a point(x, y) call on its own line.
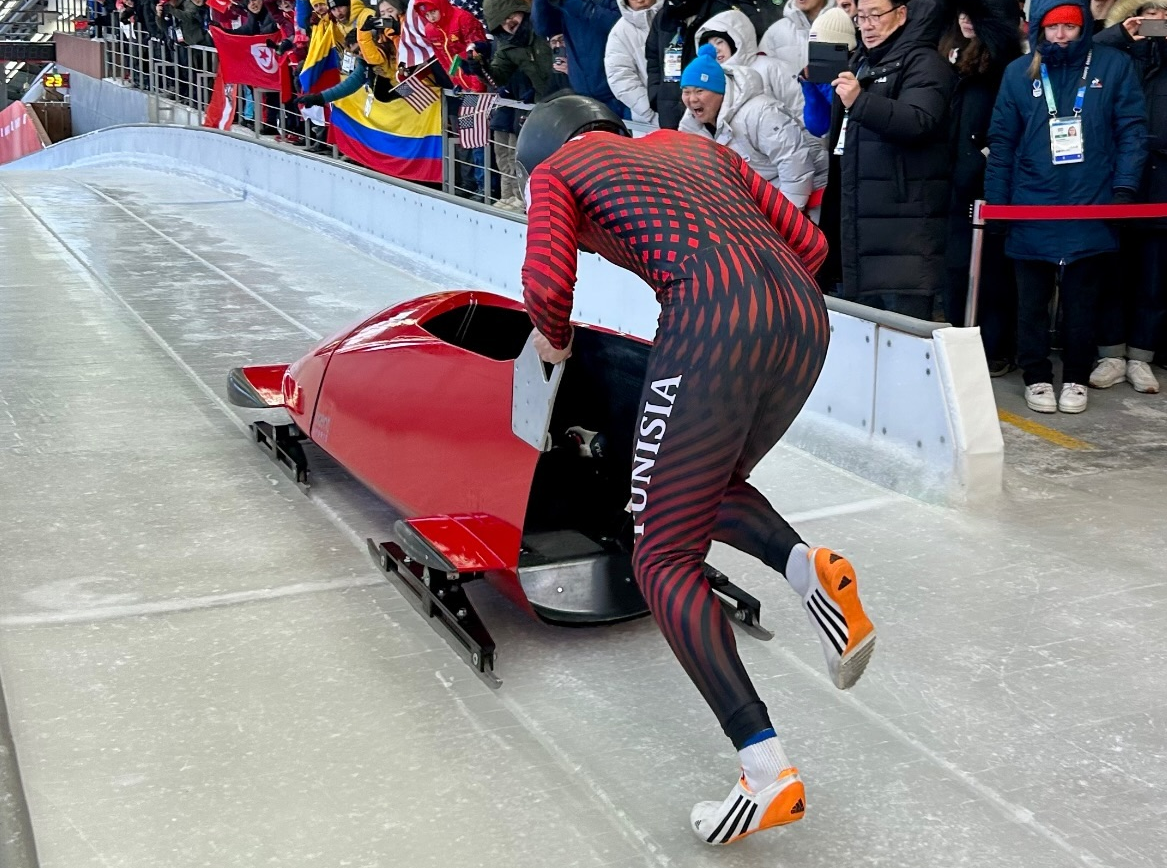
point(1065, 140)
point(842, 143)
point(673, 63)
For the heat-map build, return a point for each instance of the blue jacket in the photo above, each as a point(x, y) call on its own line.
point(361, 75)
point(1020, 168)
point(585, 25)
point(816, 111)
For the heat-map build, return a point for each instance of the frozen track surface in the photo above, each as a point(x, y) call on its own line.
point(204, 668)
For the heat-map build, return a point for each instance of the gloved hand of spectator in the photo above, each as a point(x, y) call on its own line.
point(370, 22)
point(1125, 196)
point(471, 64)
point(309, 99)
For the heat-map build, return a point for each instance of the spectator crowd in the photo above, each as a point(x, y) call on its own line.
point(884, 120)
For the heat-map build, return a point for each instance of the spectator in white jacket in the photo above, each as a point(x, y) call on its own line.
point(786, 39)
point(624, 58)
point(736, 41)
point(727, 104)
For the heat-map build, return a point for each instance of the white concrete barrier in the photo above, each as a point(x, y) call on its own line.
point(900, 401)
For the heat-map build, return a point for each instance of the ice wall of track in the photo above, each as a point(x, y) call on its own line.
point(899, 403)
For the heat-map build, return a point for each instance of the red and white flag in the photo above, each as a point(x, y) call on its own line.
point(419, 90)
point(250, 60)
point(474, 119)
point(413, 49)
point(221, 108)
point(220, 6)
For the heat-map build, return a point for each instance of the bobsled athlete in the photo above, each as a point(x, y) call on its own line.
point(740, 342)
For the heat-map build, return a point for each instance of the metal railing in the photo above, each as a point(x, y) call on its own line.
point(183, 77)
point(22, 19)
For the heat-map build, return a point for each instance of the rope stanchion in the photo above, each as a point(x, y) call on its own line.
point(982, 212)
point(1073, 212)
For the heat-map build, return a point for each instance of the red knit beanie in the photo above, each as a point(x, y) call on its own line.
point(1068, 14)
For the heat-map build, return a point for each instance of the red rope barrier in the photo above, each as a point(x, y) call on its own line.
point(1072, 212)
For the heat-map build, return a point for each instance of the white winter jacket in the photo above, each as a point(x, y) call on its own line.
point(787, 38)
point(624, 61)
point(778, 83)
point(766, 136)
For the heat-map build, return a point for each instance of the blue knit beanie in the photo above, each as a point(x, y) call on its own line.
point(704, 71)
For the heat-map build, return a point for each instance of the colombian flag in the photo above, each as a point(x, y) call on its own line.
point(320, 69)
point(393, 138)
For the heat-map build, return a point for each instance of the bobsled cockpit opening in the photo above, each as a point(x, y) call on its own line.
point(577, 487)
point(575, 564)
point(497, 333)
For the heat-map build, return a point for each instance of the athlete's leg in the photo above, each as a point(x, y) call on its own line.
point(792, 363)
point(688, 443)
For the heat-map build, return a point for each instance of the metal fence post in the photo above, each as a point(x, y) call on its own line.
point(450, 170)
point(974, 264)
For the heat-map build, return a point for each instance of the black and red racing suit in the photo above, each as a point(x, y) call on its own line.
point(740, 342)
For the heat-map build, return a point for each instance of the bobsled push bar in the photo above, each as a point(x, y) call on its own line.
point(741, 607)
point(434, 587)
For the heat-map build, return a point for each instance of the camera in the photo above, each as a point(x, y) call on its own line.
point(387, 23)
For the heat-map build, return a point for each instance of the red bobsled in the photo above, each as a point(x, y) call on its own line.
point(506, 470)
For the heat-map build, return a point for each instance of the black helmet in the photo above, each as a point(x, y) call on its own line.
point(560, 118)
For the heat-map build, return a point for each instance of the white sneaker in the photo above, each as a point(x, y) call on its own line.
point(1073, 399)
point(745, 812)
point(1140, 376)
point(1108, 372)
point(1040, 398)
point(836, 615)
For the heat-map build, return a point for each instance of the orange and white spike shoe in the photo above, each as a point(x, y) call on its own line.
point(746, 812)
point(837, 616)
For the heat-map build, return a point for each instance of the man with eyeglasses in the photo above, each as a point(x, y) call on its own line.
point(889, 131)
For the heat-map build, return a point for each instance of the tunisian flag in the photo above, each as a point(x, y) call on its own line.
point(20, 133)
point(249, 60)
point(221, 109)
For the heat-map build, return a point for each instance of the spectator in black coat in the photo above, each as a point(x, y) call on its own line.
point(257, 20)
point(984, 39)
point(895, 158)
point(671, 46)
point(1134, 312)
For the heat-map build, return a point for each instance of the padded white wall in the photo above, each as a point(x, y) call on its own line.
point(913, 412)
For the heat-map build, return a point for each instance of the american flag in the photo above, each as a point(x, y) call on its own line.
point(419, 94)
point(413, 48)
point(474, 119)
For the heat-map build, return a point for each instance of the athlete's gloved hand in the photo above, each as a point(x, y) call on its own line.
point(548, 353)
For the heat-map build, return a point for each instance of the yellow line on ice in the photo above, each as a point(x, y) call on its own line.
point(1042, 431)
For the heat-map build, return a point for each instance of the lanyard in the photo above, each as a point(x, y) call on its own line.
point(1049, 89)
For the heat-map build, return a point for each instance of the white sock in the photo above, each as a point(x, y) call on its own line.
point(762, 763)
point(798, 569)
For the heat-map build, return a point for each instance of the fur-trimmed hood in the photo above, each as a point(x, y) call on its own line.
point(998, 26)
point(1124, 9)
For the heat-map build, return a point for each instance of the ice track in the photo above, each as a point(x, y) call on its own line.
point(202, 666)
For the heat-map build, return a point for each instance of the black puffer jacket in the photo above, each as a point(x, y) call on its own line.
point(896, 165)
point(998, 28)
point(1150, 60)
point(679, 19)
